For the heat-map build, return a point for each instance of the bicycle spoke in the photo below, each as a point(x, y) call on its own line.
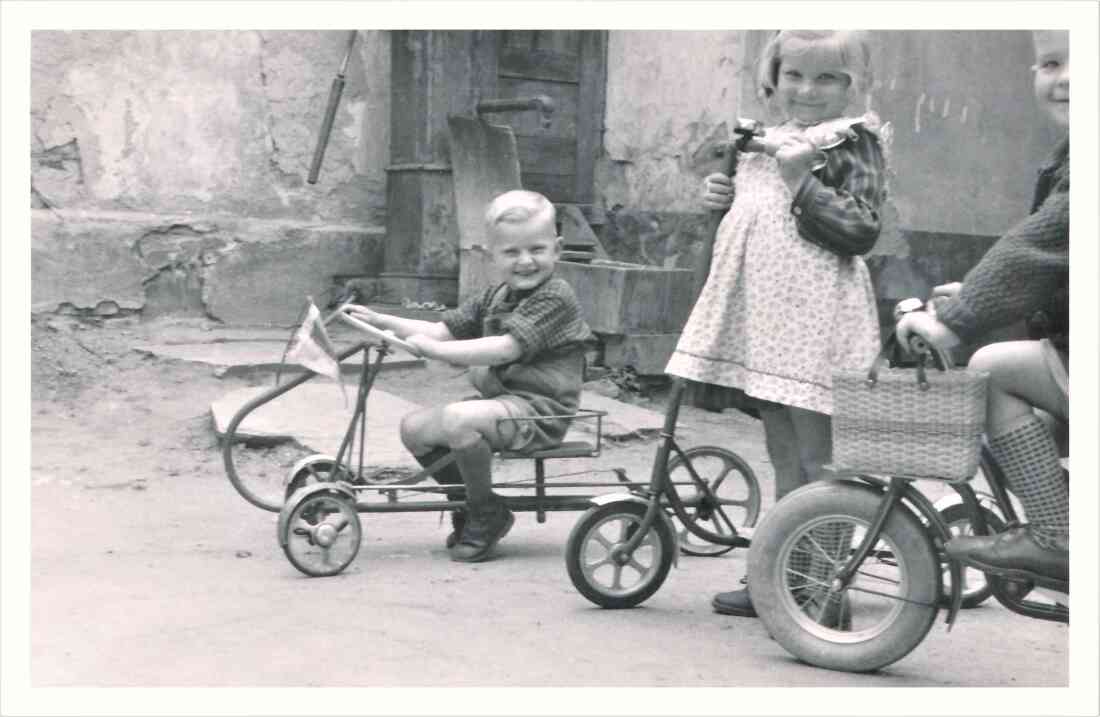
point(889, 596)
point(883, 578)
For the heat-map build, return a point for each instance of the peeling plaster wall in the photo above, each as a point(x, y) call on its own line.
point(190, 129)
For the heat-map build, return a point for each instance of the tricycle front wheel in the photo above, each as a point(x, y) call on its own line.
point(613, 581)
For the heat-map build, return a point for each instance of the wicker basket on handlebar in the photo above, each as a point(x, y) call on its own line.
point(909, 420)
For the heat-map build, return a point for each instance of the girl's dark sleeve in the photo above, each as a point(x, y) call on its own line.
point(1016, 277)
point(838, 207)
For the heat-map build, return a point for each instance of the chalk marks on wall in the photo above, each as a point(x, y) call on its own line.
point(945, 110)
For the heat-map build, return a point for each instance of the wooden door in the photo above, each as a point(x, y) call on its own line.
point(570, 66)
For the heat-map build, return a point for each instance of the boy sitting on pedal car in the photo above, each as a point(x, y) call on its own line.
point(1025, 274)
point(525, 342)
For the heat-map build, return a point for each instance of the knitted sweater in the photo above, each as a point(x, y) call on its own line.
point(1025, 275)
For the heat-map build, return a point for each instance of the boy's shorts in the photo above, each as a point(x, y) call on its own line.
point(523, 431)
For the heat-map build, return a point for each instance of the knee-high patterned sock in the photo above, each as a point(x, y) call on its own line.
point(1028, 456)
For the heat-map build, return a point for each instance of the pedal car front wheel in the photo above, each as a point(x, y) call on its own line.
point(321, 532)
point(598, 574)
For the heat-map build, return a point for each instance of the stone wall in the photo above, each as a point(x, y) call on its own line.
point(169, 170)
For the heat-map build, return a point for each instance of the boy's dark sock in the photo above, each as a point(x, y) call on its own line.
point(448, 475)
point(475, 464)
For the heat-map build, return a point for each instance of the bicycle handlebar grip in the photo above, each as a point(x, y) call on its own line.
point(326, 128)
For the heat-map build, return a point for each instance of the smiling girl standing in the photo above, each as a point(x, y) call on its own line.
point(789, 299)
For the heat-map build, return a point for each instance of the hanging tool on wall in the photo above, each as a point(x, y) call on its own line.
point(330, 111)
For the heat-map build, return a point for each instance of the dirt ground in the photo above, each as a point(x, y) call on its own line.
point(148, 570)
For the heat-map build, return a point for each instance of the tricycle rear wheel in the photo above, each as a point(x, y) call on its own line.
point(723, 495)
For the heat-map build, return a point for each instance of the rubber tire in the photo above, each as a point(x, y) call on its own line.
point(752, 511)
point(958, 514)
point(295, 507)
point(780, 527)
point(578, 537)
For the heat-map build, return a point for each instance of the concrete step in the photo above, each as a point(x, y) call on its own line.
point(243, 351)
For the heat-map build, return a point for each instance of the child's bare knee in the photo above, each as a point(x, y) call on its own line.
point(412, 426)
point(456, 420)
point(988, 358)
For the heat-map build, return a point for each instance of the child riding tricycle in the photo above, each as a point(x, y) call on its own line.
point(524, 341)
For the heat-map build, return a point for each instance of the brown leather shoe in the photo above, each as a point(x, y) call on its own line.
point(1012, 554)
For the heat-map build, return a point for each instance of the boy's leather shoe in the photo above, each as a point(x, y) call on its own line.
point(735, 602)
point(485, 526)
point(458, 522)
point(1012, 554)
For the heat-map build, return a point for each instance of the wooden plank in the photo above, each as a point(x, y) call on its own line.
point(591, 98)
point(631, 299)
point(546, 65)
point(548, 155)
point(485, 163)
point(555, 187)
point(576, 232)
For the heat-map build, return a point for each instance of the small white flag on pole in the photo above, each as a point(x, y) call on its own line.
point(312, 348)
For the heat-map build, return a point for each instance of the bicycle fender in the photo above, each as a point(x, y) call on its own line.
point(606, 498)
point(919, 504)
point(986, 500)
point(301, 494)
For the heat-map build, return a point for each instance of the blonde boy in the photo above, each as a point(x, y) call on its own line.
point(524, 340)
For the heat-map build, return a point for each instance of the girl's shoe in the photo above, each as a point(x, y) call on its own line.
point(735, 602)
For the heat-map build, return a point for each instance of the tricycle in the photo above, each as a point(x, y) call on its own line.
point(704, 494)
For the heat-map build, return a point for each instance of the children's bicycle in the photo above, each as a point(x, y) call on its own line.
point(706, 492)
point(849, 573)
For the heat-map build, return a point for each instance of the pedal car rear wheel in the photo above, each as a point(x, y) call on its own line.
point(887, 608)
point(321, 534)
point(594, 570)
point(976, 587)
point(732, 501)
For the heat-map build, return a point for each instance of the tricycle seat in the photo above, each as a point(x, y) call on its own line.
point(568, 449)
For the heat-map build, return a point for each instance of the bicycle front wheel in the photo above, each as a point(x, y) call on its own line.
point(887, 608)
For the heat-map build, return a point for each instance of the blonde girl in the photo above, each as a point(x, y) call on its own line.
point(789, 299)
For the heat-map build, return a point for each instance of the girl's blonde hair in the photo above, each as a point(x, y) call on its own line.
point(849, 49)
